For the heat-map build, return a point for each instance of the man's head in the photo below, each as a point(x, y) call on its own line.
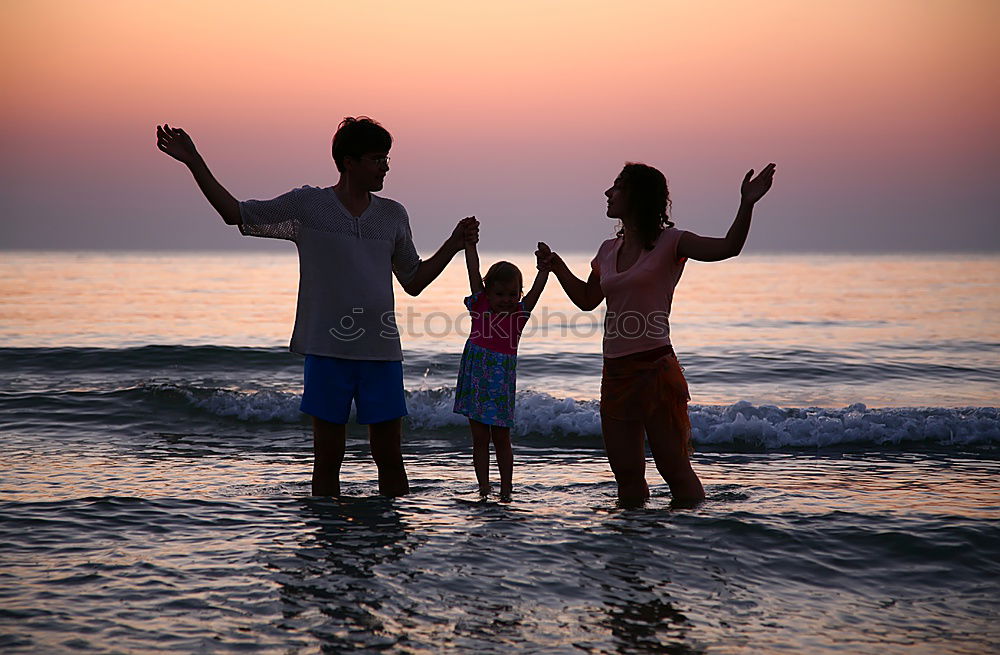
point(361, 149)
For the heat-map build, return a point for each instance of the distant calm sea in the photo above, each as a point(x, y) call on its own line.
point(154, 473)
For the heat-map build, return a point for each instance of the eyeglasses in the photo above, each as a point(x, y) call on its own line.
point(379, 161)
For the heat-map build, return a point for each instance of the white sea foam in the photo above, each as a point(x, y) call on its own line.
point(767, 426)
point(742, 425)
point(249, 406)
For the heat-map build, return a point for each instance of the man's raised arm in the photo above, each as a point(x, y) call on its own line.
point(175, 142)
point(467, 231)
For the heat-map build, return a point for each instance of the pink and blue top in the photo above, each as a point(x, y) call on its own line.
point(494, 331)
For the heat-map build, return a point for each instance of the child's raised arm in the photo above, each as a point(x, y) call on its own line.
point(585, 294)
point(472, 263)
point(541, 255)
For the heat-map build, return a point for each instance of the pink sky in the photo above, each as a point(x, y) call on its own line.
point(881, 115)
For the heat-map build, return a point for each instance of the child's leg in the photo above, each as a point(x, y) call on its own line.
point(505, 458)
point(481, 454)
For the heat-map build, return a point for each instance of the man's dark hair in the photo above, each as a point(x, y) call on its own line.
point(648, 199)
point(357, 136)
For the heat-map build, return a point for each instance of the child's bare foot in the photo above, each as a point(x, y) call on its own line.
point(505, 493)
point(484, 490)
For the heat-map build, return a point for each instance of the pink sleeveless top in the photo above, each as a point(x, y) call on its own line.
point(639, 299)
point(497, 332)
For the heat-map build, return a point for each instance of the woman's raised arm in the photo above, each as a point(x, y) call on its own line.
point(713, 249)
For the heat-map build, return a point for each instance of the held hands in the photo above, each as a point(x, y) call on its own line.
point(548, 261)
point(542, 256)
point(175, 142)
point(466, 233)
point(754, 189)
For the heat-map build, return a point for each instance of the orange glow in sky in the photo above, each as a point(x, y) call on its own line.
point(543, 100)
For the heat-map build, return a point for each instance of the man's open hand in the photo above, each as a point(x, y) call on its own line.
point(175, 142)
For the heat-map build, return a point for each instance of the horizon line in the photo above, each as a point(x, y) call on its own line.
point(575, 251)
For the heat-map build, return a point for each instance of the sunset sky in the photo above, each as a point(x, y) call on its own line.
point(883, 116)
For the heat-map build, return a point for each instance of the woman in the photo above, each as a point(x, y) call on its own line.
point(643, 392)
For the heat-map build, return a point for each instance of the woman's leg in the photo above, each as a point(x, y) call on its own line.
point(505, 458)
point(623, 441)
point(481, 454)
point(669, 449)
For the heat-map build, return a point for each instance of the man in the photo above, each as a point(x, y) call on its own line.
point(350, 242)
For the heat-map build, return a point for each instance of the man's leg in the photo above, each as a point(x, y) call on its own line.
point(385, 439)
point(329, 440)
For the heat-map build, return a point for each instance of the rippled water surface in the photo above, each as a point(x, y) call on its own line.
point(155, 470)
point(858, 554)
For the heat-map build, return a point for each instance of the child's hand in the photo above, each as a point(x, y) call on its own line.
point(467, 229)
point(472, 231)
point(543, 257)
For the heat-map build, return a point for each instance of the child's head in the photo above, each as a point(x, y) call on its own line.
point(503, 285)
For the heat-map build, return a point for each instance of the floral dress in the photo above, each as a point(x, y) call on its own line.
point(487, 376)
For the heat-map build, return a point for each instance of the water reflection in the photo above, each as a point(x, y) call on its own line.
point(329, 587)
point(639, 612)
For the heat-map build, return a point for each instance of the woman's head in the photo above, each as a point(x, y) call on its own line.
point(641, 200)
point(503, 285)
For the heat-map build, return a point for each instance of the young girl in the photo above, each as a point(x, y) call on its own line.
point(486, 377)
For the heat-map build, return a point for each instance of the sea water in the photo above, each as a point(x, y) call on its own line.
point(155, 469)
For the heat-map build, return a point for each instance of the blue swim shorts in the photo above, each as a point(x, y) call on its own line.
point(331, 384)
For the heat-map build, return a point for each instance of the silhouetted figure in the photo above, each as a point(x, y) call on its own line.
point(644, 395)
point(487, 376)
point(350, 242)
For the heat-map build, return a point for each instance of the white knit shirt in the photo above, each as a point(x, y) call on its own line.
point(345, 304)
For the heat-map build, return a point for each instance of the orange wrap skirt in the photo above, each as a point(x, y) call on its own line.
point(636, 387)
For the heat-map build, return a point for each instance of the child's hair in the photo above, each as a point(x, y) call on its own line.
point(358, 136)
point(503, 273)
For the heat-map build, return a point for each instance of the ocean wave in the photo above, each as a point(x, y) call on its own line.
point(253, 406)
point(770, 427)
point(738, 426)
point(541, 417)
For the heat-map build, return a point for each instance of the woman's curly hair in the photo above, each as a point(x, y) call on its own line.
point(648, 200)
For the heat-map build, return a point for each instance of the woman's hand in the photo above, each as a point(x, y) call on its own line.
point(754, 189)
point(548, 260)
